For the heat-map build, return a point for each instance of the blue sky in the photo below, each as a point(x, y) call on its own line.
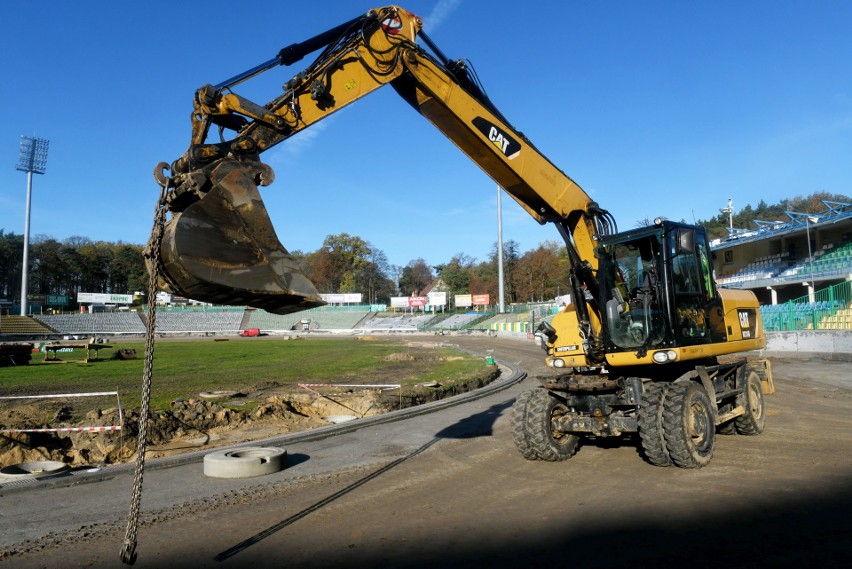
point(655, 108)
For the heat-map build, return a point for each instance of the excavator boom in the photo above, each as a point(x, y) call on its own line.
point(220, 246)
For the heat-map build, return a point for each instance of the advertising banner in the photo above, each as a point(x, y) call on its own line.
point(399, 302)
point(481, 299)
point(342, 298)
point(417, 301)
point(463, 300)
point(437, 298)
point(99, 298)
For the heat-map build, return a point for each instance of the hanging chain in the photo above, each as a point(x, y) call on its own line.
point(152, 257)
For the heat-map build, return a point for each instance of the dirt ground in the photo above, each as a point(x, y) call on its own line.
point(466, 497)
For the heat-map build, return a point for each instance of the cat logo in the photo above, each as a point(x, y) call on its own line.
point(508, 146)
point(747, 322)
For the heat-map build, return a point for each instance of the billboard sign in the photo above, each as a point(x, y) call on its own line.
point(437, 298)
point(463, 300)
point(99, 298)
point(417, 301)
point(342, 298)
point(399, 302)
point(481, 299)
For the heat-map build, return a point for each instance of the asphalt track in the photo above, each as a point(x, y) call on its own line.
point(448, 489)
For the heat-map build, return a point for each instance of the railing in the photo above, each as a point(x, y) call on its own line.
point(831, 309)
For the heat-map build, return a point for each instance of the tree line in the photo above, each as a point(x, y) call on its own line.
point(344, 263)
point(744, 218)
point(76, 264)
point(347, 263)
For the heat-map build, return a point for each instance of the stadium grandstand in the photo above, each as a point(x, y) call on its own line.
point(799, 269)
point(227, 320)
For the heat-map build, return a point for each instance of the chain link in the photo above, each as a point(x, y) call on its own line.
point(152, 257)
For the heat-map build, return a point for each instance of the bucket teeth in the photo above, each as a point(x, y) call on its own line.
point(223, 249)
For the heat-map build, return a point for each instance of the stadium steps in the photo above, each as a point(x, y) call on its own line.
point(23, 325)
point(244, 323)
point(363, 322)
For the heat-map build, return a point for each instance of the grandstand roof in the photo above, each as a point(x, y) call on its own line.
point(835, 212)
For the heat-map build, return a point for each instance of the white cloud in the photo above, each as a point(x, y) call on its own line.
point(439, 13)
point(294, 146)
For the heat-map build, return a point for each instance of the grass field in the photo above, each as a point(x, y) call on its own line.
point(186, 368)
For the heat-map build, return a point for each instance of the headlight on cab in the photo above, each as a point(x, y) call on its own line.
point(664, 356)
point(556, 362)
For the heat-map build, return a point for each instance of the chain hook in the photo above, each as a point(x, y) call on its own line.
point(128, 553)
point(160, 176)
point(152, 253)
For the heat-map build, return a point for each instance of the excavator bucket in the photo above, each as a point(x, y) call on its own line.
point(223, 249)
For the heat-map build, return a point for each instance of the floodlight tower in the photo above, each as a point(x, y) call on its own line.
point(809, 219)
point(501, 303)
point(730, 211)
point(32, 159)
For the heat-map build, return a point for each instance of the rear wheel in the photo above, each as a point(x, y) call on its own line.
point(688, 425)
point(754, 419)
point(651, 425)
point(519, 427)
point(534, 430)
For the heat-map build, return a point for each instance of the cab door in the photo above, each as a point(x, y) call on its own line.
point(697, 308)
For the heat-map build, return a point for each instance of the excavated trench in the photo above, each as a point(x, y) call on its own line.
point(211, 420)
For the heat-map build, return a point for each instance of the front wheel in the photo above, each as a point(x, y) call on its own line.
point(651, 425)
point(533, 427)
point(754, 419)
point(689, 425)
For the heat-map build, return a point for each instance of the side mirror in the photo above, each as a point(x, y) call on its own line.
point(685, 241)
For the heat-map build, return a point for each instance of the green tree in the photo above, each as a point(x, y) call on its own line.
point(374, 281)
point(540, 273)
point(415, 277)
point(347, 263)
point(127, 269)
point(456, 274)
point(11, 257)
point(48, 271)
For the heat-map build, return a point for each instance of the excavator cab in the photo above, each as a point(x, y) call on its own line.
point(658, 288)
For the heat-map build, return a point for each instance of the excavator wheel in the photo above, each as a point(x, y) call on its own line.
point(689, 425)
point(651, 425)
point(519, 427)
point(754, 419)
point(533, 431)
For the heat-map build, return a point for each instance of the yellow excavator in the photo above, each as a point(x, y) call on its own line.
point(648, 343)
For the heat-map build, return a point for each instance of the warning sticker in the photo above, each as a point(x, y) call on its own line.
point(392, 25)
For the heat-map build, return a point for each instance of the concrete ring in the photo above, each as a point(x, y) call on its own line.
point(244, 462)
point(37, 469)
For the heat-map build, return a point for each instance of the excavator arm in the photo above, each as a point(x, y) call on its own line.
point(220, 246)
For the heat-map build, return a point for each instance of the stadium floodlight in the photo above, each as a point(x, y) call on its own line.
point(730, 211)
point(33, 155)
point(32, 159)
